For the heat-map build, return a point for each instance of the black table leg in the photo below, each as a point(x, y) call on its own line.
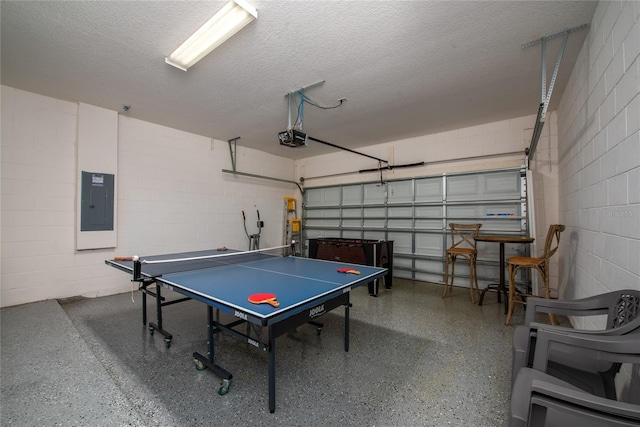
point(208, 362)
point(158, 326)
point(499, 286)
point(346, 326)
point(210, 343)
point(272, 371)
point(144, 308)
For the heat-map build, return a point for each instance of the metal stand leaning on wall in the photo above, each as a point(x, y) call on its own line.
point(254, 239)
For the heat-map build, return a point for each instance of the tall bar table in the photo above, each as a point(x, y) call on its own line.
point(502, 239)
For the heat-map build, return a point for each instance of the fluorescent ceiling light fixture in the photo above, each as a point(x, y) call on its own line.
point(233, 17)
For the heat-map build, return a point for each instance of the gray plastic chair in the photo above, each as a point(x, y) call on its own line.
point(541, 399)
point(622, 311)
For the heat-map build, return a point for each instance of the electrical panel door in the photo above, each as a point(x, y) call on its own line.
point(97, 201)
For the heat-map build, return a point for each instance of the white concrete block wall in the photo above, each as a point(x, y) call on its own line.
point(487, 143)
point(599, 157)
point(545, 162)
point(173, 196)
point(38, 196)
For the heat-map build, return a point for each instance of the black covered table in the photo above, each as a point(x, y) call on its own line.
point(376, 253)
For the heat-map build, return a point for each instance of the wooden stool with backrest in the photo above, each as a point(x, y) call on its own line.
point(540, 264)
point(463, 245)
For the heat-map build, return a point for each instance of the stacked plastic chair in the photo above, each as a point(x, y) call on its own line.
point(565, 376)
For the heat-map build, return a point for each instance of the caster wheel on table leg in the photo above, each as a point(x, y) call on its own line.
point(224, 387)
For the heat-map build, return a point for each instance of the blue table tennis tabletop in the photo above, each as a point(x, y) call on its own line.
point(304, 287)
point(294, 281)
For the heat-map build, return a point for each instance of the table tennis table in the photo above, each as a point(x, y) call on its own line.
point(305, 288)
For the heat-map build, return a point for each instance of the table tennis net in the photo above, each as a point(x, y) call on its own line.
point(175, 263)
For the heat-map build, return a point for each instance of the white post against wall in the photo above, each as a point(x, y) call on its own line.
point(98, 158)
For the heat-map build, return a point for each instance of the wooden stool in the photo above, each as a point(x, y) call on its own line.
point(540, 264)
point(463, 245)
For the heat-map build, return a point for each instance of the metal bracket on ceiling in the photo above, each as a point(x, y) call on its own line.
point(234, 171)
point(545, 94)
point(290, 99)
point(232, 151)
point(302, 89)
point(270, 178)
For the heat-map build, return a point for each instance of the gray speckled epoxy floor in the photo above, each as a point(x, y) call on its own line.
point(414, 360)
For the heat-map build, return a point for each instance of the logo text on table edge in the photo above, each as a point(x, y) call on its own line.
point(316, 311)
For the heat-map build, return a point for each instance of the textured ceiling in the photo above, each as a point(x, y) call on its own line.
point(407, 68)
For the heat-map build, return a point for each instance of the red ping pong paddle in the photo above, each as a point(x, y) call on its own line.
point(348, 270)
point(264, 298)
point(222, 249)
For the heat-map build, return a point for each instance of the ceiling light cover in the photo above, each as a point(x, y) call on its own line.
point(233, 17)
